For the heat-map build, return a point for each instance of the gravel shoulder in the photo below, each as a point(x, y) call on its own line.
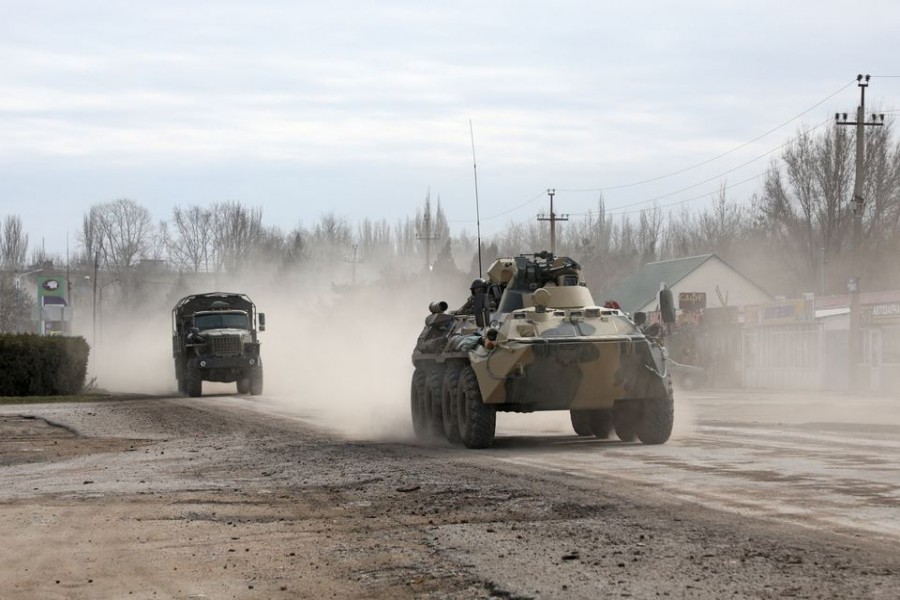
point(156, 498)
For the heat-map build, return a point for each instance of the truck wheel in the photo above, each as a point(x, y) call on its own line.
point(449, 391)
point(256, 381)
point(476, 420)
point(179, 379)
point(194, 383)
point(417, 403)
point(626, 417)
point(581, 422)
point(600, 422)
point(656, 423)
point(243, 385)
point(434, 379)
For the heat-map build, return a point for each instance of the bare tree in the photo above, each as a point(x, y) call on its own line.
point(721, 226)
point(117, 233)
point(882, 212)
point(127, 231)
point(331, 237)
point(236, 232)
point(13, 243)
point(649, 234)
point(375, 240)
point(15, 306)
point(295, 248)
point(807, 206)
point(190, 244)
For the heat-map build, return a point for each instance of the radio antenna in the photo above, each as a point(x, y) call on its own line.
point(477, 211)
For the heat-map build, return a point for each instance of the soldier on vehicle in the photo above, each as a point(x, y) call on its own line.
point(480, 303)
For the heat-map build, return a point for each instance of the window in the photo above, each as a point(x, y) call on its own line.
point(221, 320)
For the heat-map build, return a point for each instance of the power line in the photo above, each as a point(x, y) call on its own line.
point(524, 204)
point(506, 212)
point(709, 160)
point(616, 213)
point(719, 175)
point(619, 210)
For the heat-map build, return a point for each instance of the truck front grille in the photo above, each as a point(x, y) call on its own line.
point(225, 345)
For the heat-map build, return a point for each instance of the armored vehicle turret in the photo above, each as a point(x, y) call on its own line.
point(534, 340)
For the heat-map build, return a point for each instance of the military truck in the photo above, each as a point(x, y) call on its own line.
point(214, 338)
point(531, 338)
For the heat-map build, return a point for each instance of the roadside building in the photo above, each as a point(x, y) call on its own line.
point(709, 294)
point(804, 344)
point(697, 282)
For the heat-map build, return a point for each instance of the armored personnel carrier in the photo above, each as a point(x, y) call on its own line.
point(214, 338)
point(532, 338)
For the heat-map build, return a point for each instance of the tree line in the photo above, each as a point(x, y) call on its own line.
point(791, 236)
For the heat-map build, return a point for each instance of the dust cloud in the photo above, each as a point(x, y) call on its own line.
point(338, 356)
point(343, 360)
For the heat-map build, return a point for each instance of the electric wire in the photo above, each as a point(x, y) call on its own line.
point(709, 160)
point(504, 213)
point(714, 177)
point(620, 210)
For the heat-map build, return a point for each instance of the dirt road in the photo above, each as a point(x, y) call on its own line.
point(756, 496)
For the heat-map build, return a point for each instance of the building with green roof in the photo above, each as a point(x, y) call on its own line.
point(705, 279)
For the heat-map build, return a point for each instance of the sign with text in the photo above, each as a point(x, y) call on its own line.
point(692, 301)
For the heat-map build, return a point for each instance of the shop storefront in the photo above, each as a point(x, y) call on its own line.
point(881, 347)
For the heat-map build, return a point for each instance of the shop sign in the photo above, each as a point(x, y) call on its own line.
point(790, 311)
point(692, 301)
point(886, 310)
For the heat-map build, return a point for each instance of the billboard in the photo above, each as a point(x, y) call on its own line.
point(53, 304)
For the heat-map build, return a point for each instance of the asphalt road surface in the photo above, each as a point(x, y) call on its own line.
point(757, 495)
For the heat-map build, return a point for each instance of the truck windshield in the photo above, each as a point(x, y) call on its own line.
point(221, 320)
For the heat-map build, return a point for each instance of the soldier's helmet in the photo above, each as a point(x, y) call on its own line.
point(478, 284)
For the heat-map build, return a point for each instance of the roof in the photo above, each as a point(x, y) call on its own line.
point(641, 288)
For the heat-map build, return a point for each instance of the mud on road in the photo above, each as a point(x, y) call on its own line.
point(170, 498)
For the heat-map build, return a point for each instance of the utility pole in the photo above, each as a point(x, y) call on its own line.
point(553, 218)
point(855, 341)
point(354, 261)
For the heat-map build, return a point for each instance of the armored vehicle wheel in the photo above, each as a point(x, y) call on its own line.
point(243, 386)
point(417, 403)
point(194, 383)
point(600, 422)
point(434, 380)
point(581, 422)
point(658, 416)
point(256, 381)
point(476, 420)
point(626, 417)
point(449, 393)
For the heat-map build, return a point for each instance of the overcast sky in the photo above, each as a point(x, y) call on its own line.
point(359, 108)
